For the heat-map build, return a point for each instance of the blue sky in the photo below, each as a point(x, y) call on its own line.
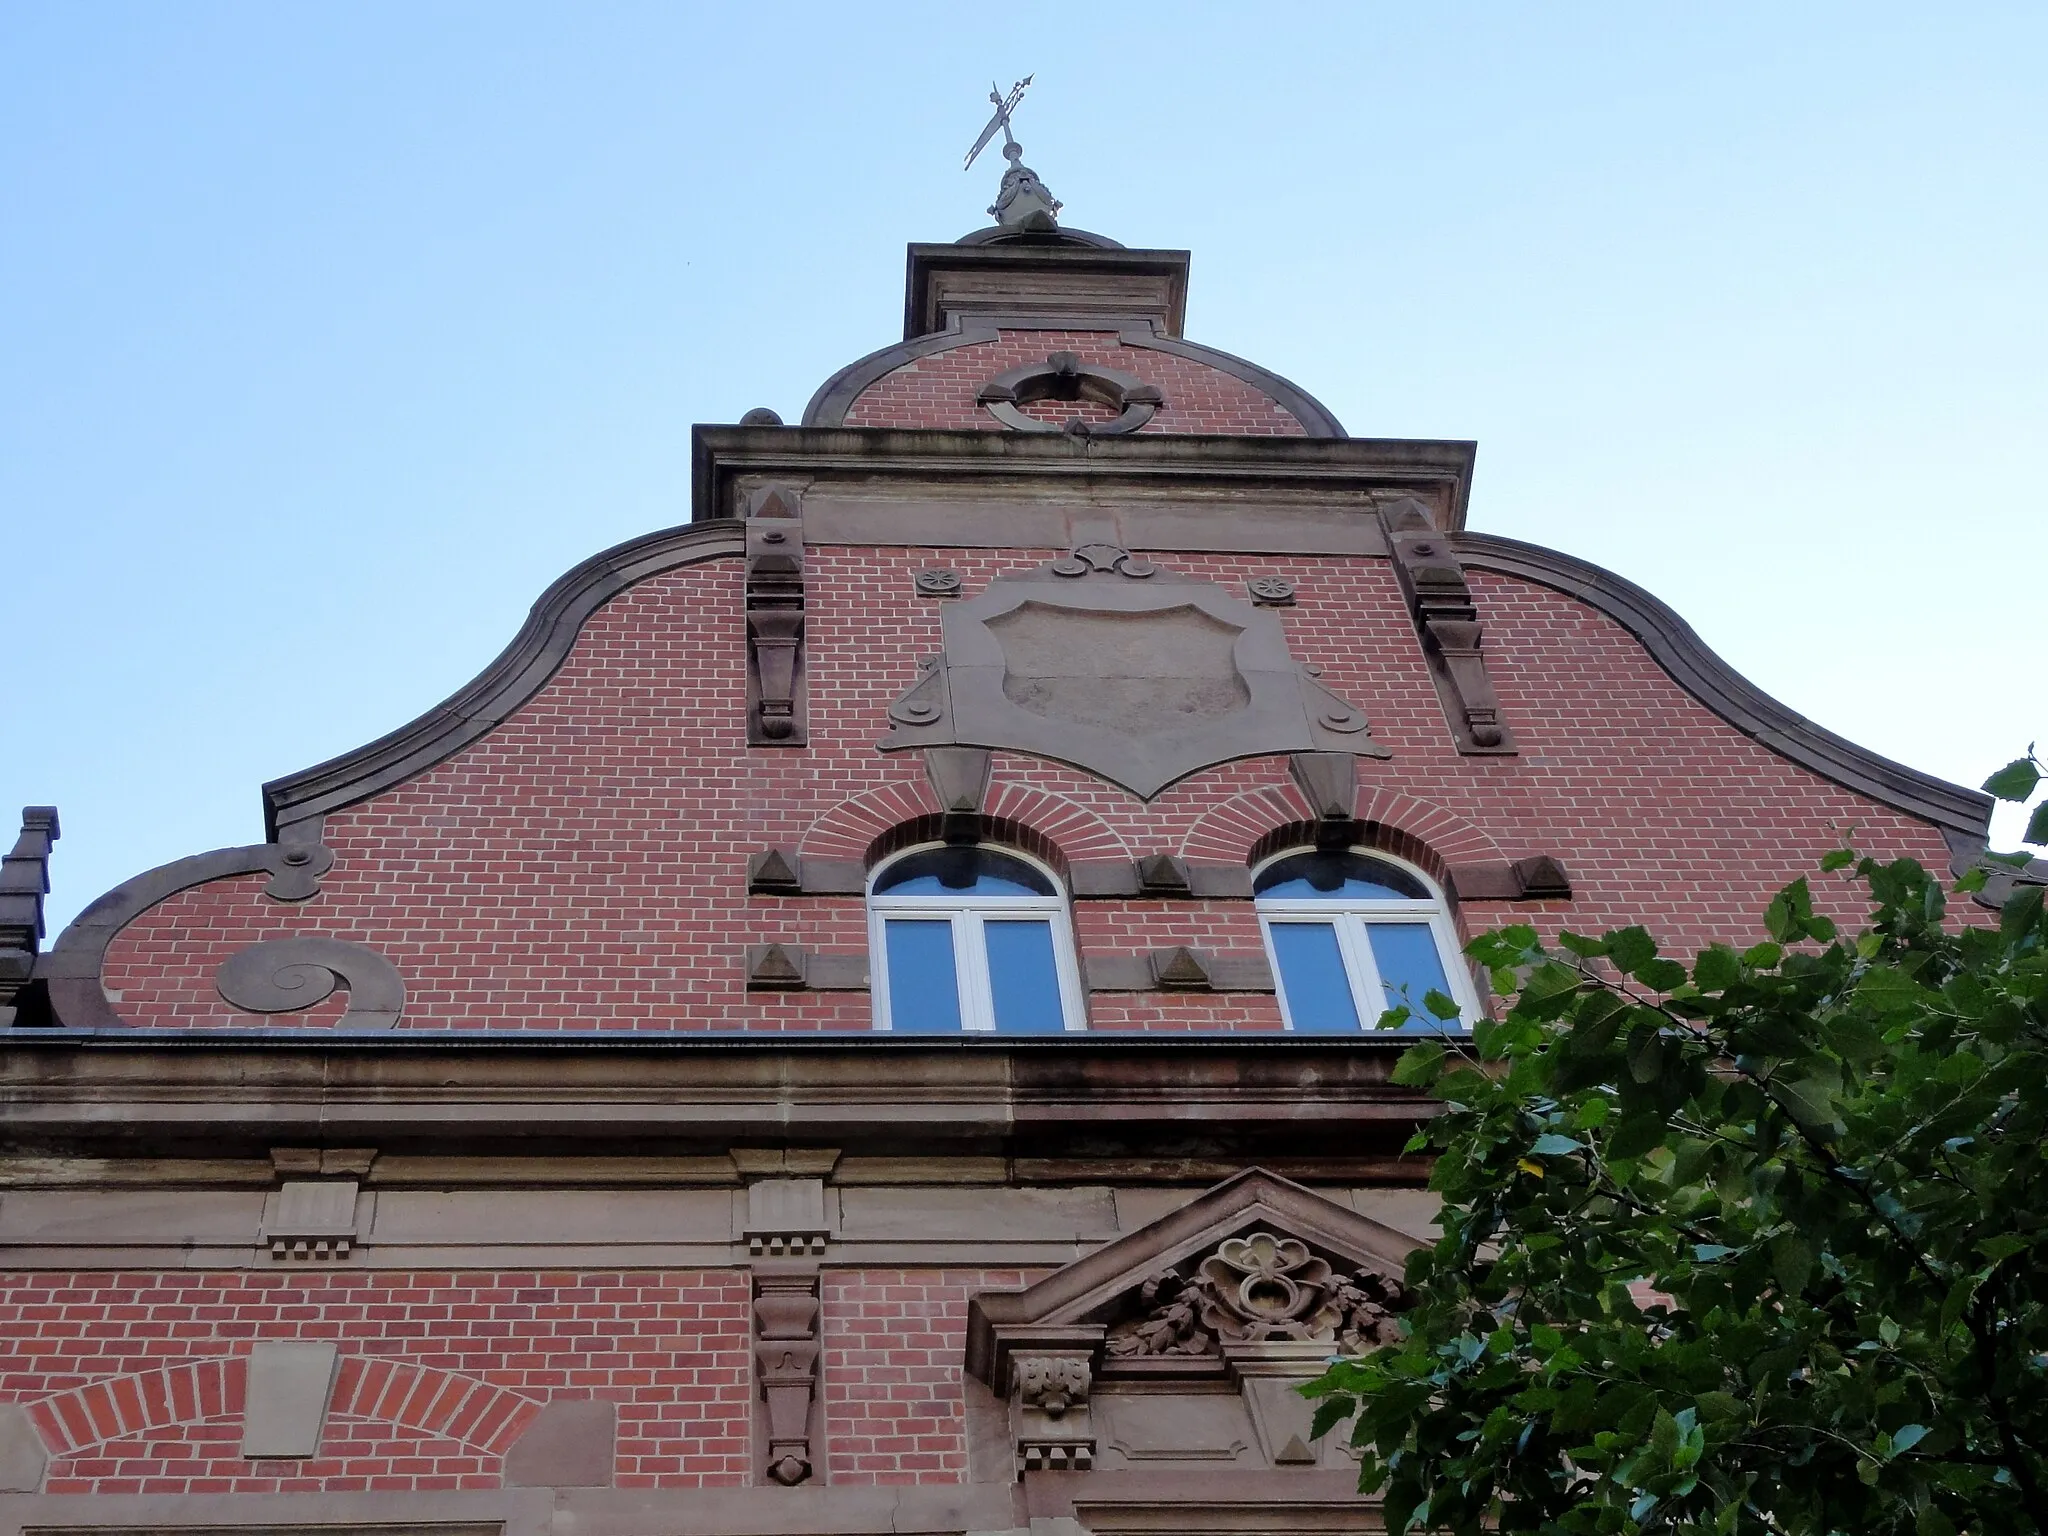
point(329, 335)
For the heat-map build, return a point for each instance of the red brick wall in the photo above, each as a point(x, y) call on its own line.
point(136, 1380)
point(939, 390)
point(894, 1342)
point(583, 865)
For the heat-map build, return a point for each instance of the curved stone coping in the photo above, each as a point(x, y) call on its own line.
point(71, 966)
point(835, 397)
point(519, 672)
point(1704, 675)
point(294, 806)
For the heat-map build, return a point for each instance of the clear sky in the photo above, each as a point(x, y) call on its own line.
point(330, 334)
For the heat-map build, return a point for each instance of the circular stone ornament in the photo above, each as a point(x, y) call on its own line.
point(1063, 376)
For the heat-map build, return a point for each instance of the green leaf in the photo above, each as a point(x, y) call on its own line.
point(1716, 969)
point(1438, 1004)
point(1646, 1055)
point(2015, 781)
point(2022, 911)
point(1886, 987)
point(1904, 1439)
point(1581, 945)
point(1660, 975)
point(1554, 1145)
point(1811, 1099)
point(1792, 1261)
point(1721, 1406)
point(1630, 948)
point(1418, 1065)
point(1637, 1134)
point(1763, 957)
point(2037, 826)
point(1837, 858)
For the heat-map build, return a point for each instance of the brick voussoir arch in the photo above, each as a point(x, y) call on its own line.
point(435, 1402)
point(1248, 826)
point(432, 1401)
point(115, 1407)
point(868, 824)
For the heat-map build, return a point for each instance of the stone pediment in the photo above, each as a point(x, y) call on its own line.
point(1123, 669)
point(1256, 1265)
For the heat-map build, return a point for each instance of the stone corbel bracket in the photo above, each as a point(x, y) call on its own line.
point(786, 1218)
point(786, 1363)
point(1047, 1373)
point(1440, 601)
point(776, 716)
point(313, 1215)
point(24, 882)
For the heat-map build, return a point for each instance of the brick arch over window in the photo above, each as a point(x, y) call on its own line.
point(434, 1402)
point(872, 825)
point(1250, 826)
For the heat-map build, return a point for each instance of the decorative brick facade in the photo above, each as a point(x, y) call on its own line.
point(531, 1064)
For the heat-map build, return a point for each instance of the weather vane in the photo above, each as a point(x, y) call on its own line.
point(1023, 202)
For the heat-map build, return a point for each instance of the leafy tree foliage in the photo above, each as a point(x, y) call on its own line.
point(1755, 1244)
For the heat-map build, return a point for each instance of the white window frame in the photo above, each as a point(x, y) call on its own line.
point(1349, 916)
point(968, 913)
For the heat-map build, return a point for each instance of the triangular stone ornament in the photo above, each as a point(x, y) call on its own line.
point(1254, 1264)
point(775, 966)
point(1180, 969)
point(773, 871)
point(1295, 1453)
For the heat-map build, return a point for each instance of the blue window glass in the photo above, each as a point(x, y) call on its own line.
point(1339, 876)
point(1024, 981)
point(1312, 976)
point(961, 872)
point(924, 985)
point(1410, 967)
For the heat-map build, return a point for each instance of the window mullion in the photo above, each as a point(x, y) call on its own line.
point(1367, 995)
point(970, 958)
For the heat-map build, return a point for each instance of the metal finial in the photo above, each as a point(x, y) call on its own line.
point(1023, 202)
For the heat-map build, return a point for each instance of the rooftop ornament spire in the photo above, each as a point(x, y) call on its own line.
point(1023, 204)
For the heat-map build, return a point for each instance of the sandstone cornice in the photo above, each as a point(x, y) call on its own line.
point(155, 1091)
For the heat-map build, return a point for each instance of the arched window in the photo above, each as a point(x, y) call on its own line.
point(971, 939)
point(1351, 936)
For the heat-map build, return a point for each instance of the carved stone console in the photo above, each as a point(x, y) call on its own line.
point(786, 1361)
point(1049, 1410)
point(1448, 621)
point(775, 621)
point(313, 1215)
